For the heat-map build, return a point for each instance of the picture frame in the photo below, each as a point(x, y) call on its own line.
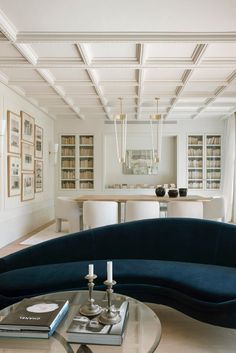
point(139, 162)
point(27, 157)
point(38, 170)
point(27, 128)
point(27, 186)
point(14, 176)
point(38, 153)
point(13, 133)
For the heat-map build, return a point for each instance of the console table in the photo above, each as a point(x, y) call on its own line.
point(142, 335)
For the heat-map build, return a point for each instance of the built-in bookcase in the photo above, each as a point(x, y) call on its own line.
point(204, 162)
point(86, 162)
point(68, 162)
point(77, 162)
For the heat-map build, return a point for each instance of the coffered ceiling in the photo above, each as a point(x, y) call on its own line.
point(81, 75)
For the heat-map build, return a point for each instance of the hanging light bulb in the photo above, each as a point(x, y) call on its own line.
point(156, 140)
point(121, 146)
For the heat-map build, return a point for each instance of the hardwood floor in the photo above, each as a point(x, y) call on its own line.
point(16, 246)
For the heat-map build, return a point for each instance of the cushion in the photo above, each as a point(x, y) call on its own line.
point(208, 283)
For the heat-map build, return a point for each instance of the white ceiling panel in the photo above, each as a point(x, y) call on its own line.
point(230, 89)
point(200, 87)
point(213, 108)
point(8, 50)
point(21, 73)
point(60, 110)
point(170, 50)
point(120, 91)
point(211, 74)
point(192, 100)
point(112, 51)
point(221, 50)
point(226, 100)
point(48, 50)
point(163, 74)
point(79, 89)
point(115, 74)
point(158, 92)
point(40, 90)
point(69, 74)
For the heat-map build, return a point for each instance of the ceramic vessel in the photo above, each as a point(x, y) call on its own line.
point(173, 193)
point(183, 192)
point(160, 191)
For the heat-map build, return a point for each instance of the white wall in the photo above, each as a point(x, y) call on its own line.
point(166, 169)
point(101, 132)
point(18, 218)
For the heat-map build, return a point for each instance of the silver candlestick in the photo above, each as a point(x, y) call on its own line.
point(110, 315)
point(90, 308)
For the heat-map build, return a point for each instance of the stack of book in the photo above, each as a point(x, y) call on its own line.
point(86, 330)
point(34, 318)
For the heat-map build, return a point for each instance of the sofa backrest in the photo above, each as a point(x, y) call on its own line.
point(174, 239)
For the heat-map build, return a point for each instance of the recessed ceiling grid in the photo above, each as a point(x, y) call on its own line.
point(85, 79)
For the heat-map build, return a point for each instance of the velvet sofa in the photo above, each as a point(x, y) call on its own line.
point(188, 264)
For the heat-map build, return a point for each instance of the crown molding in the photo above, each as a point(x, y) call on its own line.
point(2, 37)
point(137, 37)
point(49, 78)
point(7, 27)
point(27, 52)
point(21, 93)
point(4, 78)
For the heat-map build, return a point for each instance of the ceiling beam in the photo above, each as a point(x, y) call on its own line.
point(135, 37)
point(85, 57)
point(196, 58)
point(231, 80)
point(171, 64)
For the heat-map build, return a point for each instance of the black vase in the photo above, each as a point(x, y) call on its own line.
point(173, 193)
point(183, 192)
point(160, 191)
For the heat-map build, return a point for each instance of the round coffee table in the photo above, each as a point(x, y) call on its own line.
point(142, 335)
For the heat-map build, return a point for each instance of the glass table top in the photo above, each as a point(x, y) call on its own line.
point(142, 334)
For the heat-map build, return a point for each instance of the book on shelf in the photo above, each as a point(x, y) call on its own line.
point(34, 318)
point(90, 331)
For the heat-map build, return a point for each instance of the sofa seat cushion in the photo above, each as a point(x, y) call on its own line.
point(207, 283)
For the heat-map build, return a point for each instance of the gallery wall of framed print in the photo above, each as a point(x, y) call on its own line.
point(38, 169)
point(27, 186)
point(38, 142)
point(13, 132)
point(27, 155)
point(27, 127)
point(14, 176)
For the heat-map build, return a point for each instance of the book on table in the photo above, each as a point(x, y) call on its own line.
point(34, 318)
point(90, 331)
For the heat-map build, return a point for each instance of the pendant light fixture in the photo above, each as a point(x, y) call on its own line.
point(122, 136)
point(156, 134)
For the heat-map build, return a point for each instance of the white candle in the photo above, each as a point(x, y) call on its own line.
point(90, 269)
point(109, 271)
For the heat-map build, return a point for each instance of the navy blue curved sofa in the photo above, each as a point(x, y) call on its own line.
point(188, 264)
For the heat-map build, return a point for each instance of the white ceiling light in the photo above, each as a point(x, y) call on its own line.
point(122, 135)
point(156, 134)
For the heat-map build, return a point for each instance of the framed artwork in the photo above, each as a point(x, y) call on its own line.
point(27, 127)
point(27, 186)
point(13, 132)
point(14, 176)
point(38, 153)
point(139, 162)
point(38, 170)
point(27, 154)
